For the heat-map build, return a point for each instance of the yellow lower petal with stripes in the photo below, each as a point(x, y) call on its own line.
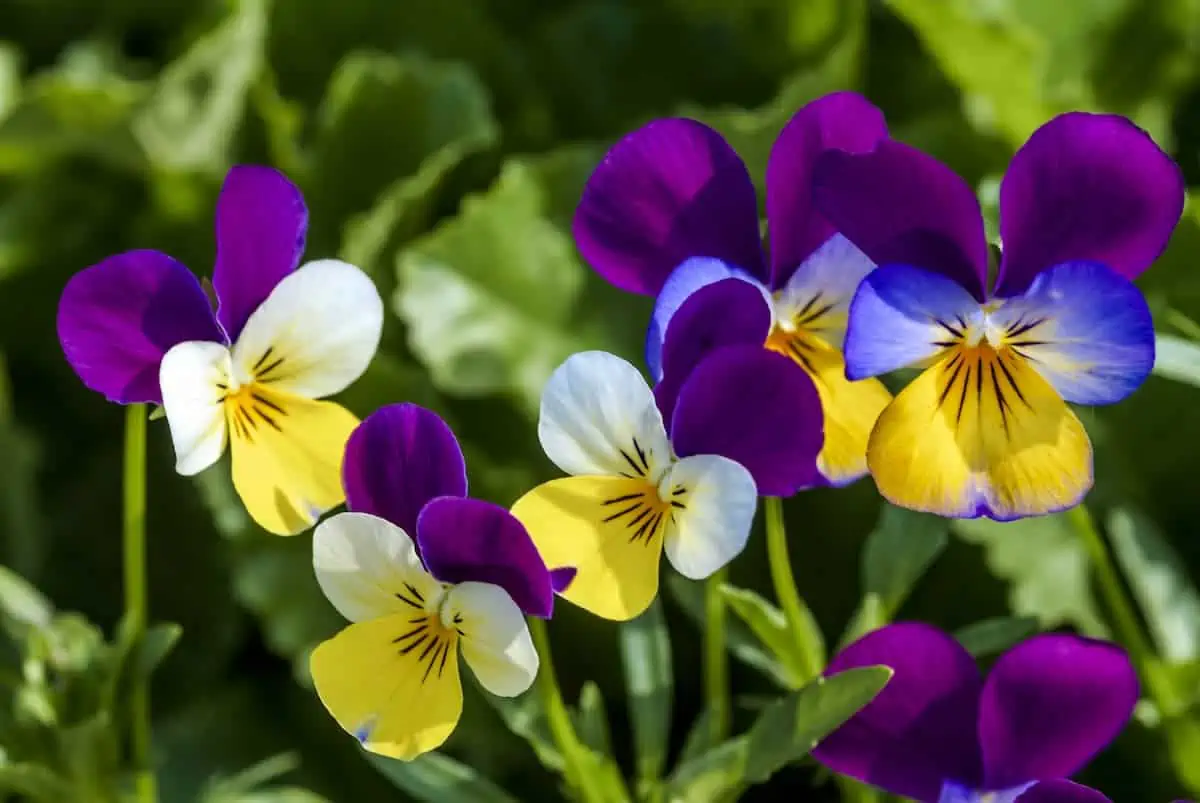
point(610, 530)
point(392, 683)
point(981, 433)
point(851, 408)
point(287, 456)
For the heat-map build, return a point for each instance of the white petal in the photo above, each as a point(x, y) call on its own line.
point(718, 498)
point(598, 417)
point(194, 377)
point(315, 334)
point(369, 567)
point(495, 640)
point(824, 283)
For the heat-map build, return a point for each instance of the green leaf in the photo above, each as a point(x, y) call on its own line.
point(994, 636)
point(1177, 359)
point(10, 78)
point(769, 625)
point(380, 185)
point(22, 605)
point(791, 726)
point(488, 295)
point(35, 781)
point(526, 717)
point(81, 107)
point(1045, 565)
point(715, 776)
point(591, 720)
point(1158, 579)
point(991, 56)
point(158, 640)
point(435, 778)
point(738, 637)
point(699, 739)
point(197, 107)
point(646, 656)
point(901, 548)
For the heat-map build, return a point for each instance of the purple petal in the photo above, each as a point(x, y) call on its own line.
point(1050, 704)
point(469, 540)
point(1086, 329)
point(694, 274)
point(920, 730)
point(116, 320)
point(560, 579)
point(670, 190)
point(261, 224)
point(899, 205)
point(757, 408)
point(893, 319)
point(726, 313)
point(1086, 187)
point(1062, 792)
point(399, 458)
point(842, 121)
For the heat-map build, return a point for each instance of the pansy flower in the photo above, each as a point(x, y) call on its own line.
point(423, 573)
point(672, 211)
point(1086, 205)
point(138, 327)
point(939, 733)
point(639, 488)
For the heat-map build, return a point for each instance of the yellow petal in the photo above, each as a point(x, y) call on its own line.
point(287, 456)
point(980, 432)
point(610, 530)
point(851, 408)
point(392, 682)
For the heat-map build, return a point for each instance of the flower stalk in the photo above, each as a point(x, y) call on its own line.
point(559, 719)
point(785, 586)
point(716, 660)
point(134, 549)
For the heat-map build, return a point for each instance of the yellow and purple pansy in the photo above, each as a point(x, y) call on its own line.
point(138, 327)
point(424, 574)
point(671, 212)
point(746, 422)
point(940, 733)
point(1087, 204)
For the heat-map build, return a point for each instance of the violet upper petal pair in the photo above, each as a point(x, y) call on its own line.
point(939, 733)
point(671, 211)
point(1087, 204)
point(138, 327)
point(403, 464)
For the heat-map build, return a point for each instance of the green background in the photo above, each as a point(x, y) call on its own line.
point(441, 145)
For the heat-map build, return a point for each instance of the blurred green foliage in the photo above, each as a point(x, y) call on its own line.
point(441, 145)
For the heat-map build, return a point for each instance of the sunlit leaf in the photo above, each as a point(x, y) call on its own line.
point(35, 781)
point(192, 119)
point(1177, 358)
point(436, 778)
point(591, 720)
point(1045, 565)
point(22, 605)
point(1169, 601)
point(487, 296)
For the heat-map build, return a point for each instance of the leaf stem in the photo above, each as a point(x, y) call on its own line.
point(785, 584)
point(1122, 611)
point(134, 547)
point(558, 717)
point(716, 661)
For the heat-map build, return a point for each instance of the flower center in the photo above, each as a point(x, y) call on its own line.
point(250, 407)
point(430, 638)
point(647, 510)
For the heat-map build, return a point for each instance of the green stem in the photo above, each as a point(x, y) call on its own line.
point(134, 545)
point(785, 586)
point(716, 662)
point(1121, 610)
point(559, 719)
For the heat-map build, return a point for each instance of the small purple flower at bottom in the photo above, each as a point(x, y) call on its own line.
point(940, 733)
